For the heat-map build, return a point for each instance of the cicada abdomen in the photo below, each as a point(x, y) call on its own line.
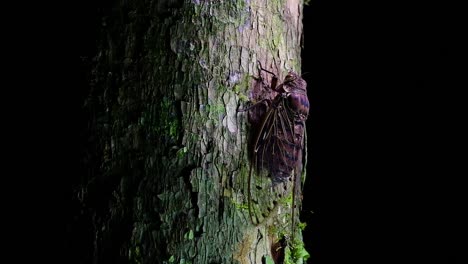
point(277, 145)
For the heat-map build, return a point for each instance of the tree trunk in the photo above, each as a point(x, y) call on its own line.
point(167, 154)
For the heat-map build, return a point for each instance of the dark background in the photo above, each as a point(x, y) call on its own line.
point(381, 133)
point(382, 185)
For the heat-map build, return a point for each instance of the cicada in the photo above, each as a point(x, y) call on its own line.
point(278, 139)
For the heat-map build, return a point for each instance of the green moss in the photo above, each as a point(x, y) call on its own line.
point(278, 36)
point(189, 235)
point(173, 128)
point(240, 202)
point(273, 231)
point(243, 98)
point(296, 254)
point(294, 64)
point(277, 3)
point(241, 206)
point(137, 251)
point(287, 200)
point(167, 125)
point(240, 4)
point(243, 14)
point(192, 137)
point(134, 255)
point(217, 109)
point(302, 225)
point(241, 88)
point(181, 152)
point(222, 88)
point(269, 260)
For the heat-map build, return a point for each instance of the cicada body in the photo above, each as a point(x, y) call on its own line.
point(278, 141)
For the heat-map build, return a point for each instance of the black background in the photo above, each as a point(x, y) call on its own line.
point(383, 130)
point(381, 176)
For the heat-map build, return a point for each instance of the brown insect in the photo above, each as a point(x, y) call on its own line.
point(278, 141)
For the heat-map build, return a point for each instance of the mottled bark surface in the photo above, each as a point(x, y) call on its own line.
point(167, 148)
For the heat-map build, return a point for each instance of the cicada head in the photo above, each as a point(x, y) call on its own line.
point(293, 83)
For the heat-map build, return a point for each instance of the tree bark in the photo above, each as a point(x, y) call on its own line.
point(167, 147)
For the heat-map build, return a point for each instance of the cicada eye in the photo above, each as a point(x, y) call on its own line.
point(290, 77)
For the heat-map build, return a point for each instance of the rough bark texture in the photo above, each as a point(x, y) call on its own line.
point(167, 151)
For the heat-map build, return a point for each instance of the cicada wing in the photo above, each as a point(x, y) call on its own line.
point(257, 199)
point(275, 155)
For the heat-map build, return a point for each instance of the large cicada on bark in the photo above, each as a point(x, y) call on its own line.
point(278, 142)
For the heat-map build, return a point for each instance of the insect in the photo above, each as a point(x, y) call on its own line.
point(278, 142)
